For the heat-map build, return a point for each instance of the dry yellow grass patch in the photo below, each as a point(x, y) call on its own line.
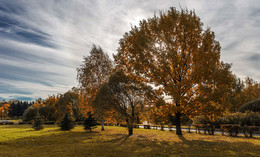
point(24, 141)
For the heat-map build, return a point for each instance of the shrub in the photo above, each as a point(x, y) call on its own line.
point(253, 106)
point(232, 129)
point(200, 120)
point(29, 114)
point(202, 123)
point(66, 122)
point(232, 118)
point(231, 123)
point(46, 111)
point(38, 122)
point(247, 118)
point(90, 122)
point(249, 130)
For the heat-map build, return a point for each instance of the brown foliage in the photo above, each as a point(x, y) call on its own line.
point(172, 52)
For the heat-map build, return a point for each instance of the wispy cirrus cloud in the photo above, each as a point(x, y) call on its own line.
point(43, 42)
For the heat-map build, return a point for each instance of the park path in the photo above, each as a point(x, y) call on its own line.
point(193, 130)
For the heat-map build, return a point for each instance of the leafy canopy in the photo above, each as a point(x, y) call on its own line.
point(173, 52)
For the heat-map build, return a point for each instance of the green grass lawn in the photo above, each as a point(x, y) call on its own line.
point(22, 140)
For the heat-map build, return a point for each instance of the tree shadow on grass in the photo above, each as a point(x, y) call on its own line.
point(121, 139)
point(81, 143)
point(220, 146)
point(184, 140)
point(90, 132)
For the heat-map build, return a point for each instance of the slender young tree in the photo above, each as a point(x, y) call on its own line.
point(173, 53)
point(123, 96)
point(94, 71)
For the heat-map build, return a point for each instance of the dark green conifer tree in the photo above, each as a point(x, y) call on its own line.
point(66, 122)
point(90, 122)
point(38, 122)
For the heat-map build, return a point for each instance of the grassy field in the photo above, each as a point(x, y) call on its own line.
point(22, 140)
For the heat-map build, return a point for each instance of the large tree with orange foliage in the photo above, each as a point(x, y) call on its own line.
point(173, 52)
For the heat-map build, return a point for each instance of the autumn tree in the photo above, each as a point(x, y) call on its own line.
point(112, 117)
point(46, 109)
point(84, 106)
point(243, 91)
point(234, 97)
point(123, 96)
point(160, 113)
point(251, 91)
point(252, 106)
point(4, 109)
point(69, 102)
point(94, 71)
point(30, 112)
point(49, 111)
point(172, 52)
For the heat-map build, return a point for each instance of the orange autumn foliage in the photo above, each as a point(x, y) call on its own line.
point(172, 52)
point(4, 109)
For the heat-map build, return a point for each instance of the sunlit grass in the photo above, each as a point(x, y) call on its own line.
point(22, 140)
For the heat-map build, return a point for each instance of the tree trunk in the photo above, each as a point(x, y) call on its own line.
point(251, 134)
point(162, 127)
point(102, 124)
point(178, 123)
point(130, 130)
point(189, 129)
point(129, 126)
point(131, 120)
point(212, 129)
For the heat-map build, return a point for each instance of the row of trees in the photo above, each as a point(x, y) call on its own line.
point(54, 107)
point(66, 123)
point(232, 123)
point(73, 102)
point(13, 108)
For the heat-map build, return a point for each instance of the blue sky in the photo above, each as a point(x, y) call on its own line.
point(43, 42)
